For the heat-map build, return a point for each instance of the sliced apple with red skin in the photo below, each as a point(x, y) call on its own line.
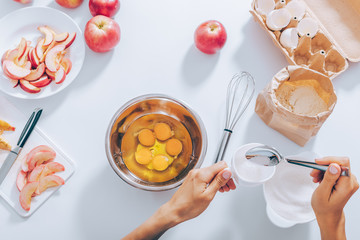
point(21, 180)
point(33, 58)
point(39, 155)
point(69, 40)
point(60, 75)
point(61, 37)
point(26, 194)
point(49, 181)
point(14, 70)
point(22, 60)
point(24, 165)
point(51, 56)
point(36, 74)
point(27, 65)
point(48, 49)
point(7, 74)
point(51, 168)
point(4, 56)
point(27, 87)
point(49, 36)
point(39, 49)
point(50, 74)
point(14, 83)
point(11, 56)
point(35, 174)
point(42, 82)
point(66, 64)
point(22, 47)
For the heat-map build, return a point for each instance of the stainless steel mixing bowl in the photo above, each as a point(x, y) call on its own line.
point(154, 104)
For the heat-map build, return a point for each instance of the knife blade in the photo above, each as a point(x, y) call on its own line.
point(14, 153)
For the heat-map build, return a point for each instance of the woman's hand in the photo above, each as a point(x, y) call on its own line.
point(331, 196)
point(189, 201)
point(199, 189)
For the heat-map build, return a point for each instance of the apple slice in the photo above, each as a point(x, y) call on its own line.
point(7, 74)
point(51, 46)
point(22, 60)
point(42, 82)
point(35, 174)
point(60, 75)
point(36, 74)
point(51, 56)
point(39, 49)
point(22, 47)
point(26, 194)
point(11, 56)
point(27, 65)
point(49, 181)
point(69, 40)
point(27, 87)
point(51, 168)
point(49, 36)
point(14, 70)
point(33, 58)
point(4, 56)
point(14, 83)
point(67, 64)
point(24, 165)
point(39, 155)
point(61, 37)
point(21, 180)
point(50, 74)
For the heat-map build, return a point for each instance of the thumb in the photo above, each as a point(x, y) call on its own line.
point(220, 180)
point(331, 175)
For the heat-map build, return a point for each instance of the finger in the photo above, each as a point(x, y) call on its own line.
point(315, 173)
point(231, 184)
point(219, 181)
point(207, 174)
point(330, 177)
point(342, 161)
point(226, 188)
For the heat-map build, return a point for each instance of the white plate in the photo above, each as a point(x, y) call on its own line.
point(8, 189)
point(24, 23)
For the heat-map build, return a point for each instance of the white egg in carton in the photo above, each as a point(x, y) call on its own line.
point(319, 34)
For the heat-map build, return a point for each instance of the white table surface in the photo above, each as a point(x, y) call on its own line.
point(156, 55)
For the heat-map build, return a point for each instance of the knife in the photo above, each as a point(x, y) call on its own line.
point(10, 159)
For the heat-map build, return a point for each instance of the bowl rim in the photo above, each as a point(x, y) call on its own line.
point(138, 99)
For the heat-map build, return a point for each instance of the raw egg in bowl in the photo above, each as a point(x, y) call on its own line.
point(153, 141)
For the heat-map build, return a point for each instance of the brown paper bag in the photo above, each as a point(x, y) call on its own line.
point(297, 127)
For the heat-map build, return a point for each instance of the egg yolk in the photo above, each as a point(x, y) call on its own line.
point(160, 162)
point(173, 147)
point(162, 131)
point(143, 156)
point(146, 137)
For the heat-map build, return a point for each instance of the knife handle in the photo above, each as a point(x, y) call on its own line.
point(29, 127)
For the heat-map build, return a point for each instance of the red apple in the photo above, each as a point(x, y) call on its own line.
point(23, 1)
point(104, 7)
point(69, 3)
point(210, 37)
point(102, 33)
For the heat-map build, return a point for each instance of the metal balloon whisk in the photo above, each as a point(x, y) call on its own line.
point(240, 91)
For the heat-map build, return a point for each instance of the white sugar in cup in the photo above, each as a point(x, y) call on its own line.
point(247, 173)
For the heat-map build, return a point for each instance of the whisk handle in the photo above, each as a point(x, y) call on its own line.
point(223, 145)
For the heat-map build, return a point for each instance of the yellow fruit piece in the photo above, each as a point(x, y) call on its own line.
point(4, 126)
point(160, 162)
point(4, 144)
point(162, 131)
point(146, 137)
point(173, 147)
point(143, 156)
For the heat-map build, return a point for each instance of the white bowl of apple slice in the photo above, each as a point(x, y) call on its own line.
point(42, 52)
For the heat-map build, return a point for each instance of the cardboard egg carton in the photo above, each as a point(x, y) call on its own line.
point(336, 41)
